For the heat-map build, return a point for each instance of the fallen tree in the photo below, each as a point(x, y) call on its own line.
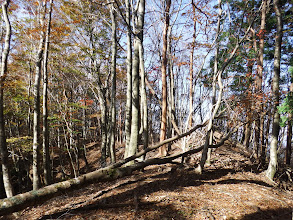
point(114, 171)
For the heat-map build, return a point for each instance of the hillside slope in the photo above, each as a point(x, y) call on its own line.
point(229, 189)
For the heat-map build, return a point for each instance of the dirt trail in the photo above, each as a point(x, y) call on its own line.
point(229, 189)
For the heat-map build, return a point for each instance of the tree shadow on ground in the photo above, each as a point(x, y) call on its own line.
point(141, 186)
point(237, 181)
point(143, 211)
point(280, 214)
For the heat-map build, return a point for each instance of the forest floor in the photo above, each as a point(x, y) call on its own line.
point(230, 188)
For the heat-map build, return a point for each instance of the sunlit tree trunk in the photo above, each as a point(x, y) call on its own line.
point(259, 135)
point(171, 93)
point(36, 122)
point(139, 24)
point(3, 145)
point(46, 153)
point(129, 78)
point(133, 143)
point(144, 109)
point(163, 149)
point(191, 68)
point(104, 120)
point(208, 160)
point(113, 79)
point(272, 168)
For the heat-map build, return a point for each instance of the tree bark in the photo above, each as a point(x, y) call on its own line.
point(272, 168)
point(191, 68)
point(46, 152)
point(143, 96)
point(129, 77)
point(288, 151)
point(134, 137)
point(133, 143)
point(259, 135)
point(36, 122)
point(208, 159)
point(113, 76)
point(171, 94)
point(104, 130)
point(3, 145)
point(163, 149)
point(215, 105)
point(247, 132)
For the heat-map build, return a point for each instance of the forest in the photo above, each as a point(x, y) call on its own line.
point(93, 91)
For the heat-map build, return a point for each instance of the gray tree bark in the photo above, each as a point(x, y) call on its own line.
point(113, 79)
point(143, 96)
point(3, 145)
point(46, 153)
point(139, 24)
point(36, 120)
point(272, 168)
point(288, 151)
point(129, 78)
point(191, 68)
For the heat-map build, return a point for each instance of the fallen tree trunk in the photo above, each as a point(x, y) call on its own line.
point(21, 201)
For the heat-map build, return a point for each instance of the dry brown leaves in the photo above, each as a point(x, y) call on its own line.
point(229, 189)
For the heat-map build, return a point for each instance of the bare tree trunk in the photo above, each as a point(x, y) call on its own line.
point(208, 160)
point(29, 93)
point(272, 168)
point(120, 139)
point(171, 86)
point(210, 125)
point(267, 132)
point(129, 78)
point(171, 107)
point(113, 94)
point(206, 154)
point(259, 135)
point(36, 122)
point(46, 153)
point(68, 144)
point(251, 105)
point(288, 151)
point(3, 145)
point(84, 135)
point(134, 137)
point(247, 133)
point(163, 149)
point(191, 68)
point(103, 107)
point(133, 143)
point(144, 102)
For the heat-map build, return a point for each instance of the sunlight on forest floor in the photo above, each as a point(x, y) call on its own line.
point(229, 189)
